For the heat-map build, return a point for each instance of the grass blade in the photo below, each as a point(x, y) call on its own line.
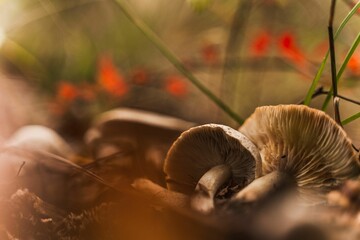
point(351, 118)
point(174, 60)
point(322, 66)
point(342, 69)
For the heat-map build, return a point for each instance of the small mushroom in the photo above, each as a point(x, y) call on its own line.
point(27, 142)
point(37, 137)
point(203, 158)
point(135, 141)
point(298, 144)
point(24, 162)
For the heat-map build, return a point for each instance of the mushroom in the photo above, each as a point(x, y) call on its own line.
point(37, 137)
point(24, 162)
point(27, 142)
point(135, 141)
point(203, 158)
point(298, 144)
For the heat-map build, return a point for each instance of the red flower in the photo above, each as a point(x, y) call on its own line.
point(287, 41)
point(176, 86)
point(289, 48)
point(354, 64)
point(110, 78)
point(67, 92)
point(261, 43)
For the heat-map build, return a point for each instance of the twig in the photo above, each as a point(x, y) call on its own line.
point(84, 171)
point(20, 168)
point(320, 91)
point(336, 99)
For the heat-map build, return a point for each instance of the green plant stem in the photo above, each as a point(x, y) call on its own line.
point(351, 118)
point(342, 69)
point(322, 66)
point(174, 60)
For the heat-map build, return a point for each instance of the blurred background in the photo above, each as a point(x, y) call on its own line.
point(62, 62)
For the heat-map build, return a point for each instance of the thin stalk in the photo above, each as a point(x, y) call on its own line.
point(332, 48)
point(351, 118)
point(342, 69)
point(64, 161)
point(83, 170)
point(20, 168)
point(336, 99)
point(174, 60)
point(315, 81)
point(320, 91)
point(322, 66)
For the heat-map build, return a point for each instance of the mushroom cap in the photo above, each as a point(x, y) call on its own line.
point(135, 122)
point(140, 137)
point(303, 142)
point(200, 148)
point(125, 128)
point(37, 137)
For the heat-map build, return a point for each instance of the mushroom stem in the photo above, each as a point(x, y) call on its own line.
point(263, 186)
point(160, 194)
point(207, 187)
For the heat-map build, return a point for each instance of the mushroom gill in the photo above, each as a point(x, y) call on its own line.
point(206, 157)
point(303, 143)
point(202, 148)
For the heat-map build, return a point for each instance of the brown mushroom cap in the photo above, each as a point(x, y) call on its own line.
point(124, 126)
point(201, 148)
point(33, 140)
point(27, 161)
point(36, 137)
point(136, 141)
point(136, 122)
point(303, 142)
